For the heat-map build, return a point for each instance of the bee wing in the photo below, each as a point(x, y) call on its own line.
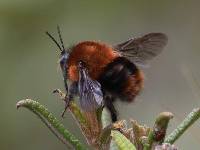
point(91, 96)
point(140, 50)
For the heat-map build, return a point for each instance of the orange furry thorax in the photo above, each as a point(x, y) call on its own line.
point(96, 56)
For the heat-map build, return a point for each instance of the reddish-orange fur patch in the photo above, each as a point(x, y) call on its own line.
point(133, 86)
point(96, 56)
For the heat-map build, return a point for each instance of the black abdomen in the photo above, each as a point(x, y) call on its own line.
point(116, 74)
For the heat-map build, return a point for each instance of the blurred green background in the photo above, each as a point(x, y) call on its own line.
point(28, 62)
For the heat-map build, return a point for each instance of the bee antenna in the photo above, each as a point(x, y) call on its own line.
point(54, 40)
point(59, 33)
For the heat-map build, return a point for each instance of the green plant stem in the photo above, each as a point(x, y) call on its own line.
point(78, 115)
point(159, 130)
point(148, 143)
point(186, 123)
point(52, 123)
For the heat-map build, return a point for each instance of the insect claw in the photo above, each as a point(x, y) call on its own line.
point(63, 113)
point(67, 101)
point(55, 91)
point(60, 93)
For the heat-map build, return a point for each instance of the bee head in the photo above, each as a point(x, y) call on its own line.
point(64, 54)
point(63, 59)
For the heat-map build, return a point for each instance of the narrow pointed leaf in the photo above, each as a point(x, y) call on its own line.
point(52, 123)
point(186, 123)
point(122, 142)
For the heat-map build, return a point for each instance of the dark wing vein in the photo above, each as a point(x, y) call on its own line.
point(144, 48)
point(91, 96)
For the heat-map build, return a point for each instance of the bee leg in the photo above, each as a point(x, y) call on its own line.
point(109, 104)
point(73, 90)
point(63, 97)
point(60, 93)
point(66, 100)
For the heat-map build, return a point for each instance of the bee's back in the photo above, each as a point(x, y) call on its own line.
point(95, 55)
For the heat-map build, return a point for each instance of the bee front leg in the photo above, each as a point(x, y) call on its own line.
point(73, 88)
point(63, 97)
point(60, 93)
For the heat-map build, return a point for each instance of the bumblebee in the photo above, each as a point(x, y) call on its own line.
point(100, 73)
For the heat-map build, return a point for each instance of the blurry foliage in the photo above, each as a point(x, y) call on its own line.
point(99, 136)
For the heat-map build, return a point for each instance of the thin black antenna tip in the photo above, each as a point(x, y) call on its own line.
point(60, 37)
point(51, 37)
point(48, 33)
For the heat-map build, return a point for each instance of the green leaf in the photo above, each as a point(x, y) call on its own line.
point(122, 142)
point(52, 123)
point(186, 123)
point(113, 145)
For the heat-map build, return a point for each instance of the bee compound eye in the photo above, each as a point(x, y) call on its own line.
point(62, 61)
point(81, 64)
